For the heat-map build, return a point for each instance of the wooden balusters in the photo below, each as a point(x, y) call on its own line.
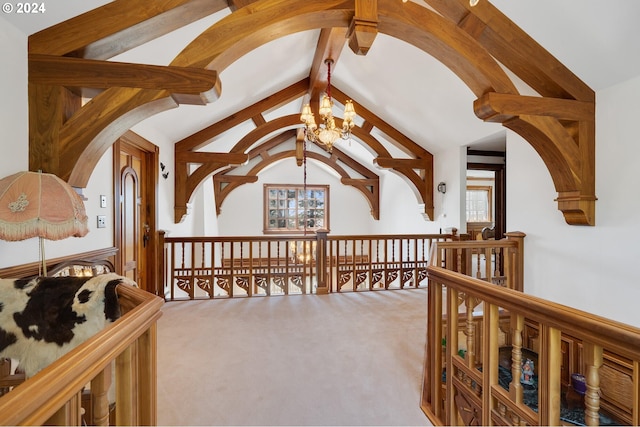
point(100, 397)
point(470, 331)
point(289, 265)
point(515, 388)
point(126, 388)
point(451, 349)
point(593, 362)
point(558, 339)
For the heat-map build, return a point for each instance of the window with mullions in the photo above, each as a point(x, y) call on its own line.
point(287, 208)
point(479, 202)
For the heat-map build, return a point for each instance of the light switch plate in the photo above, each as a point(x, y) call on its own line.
point(102, 221)
point(103, 201)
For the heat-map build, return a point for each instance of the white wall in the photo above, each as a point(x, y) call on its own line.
point(450, 167)
point(14, 125)
point(400, 211)
point(14, 142)
point(591, 268)
point(242, 211)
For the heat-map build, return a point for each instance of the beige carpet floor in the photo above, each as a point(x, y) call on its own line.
point(340, 359)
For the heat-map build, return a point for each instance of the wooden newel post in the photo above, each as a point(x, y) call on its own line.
point(518, 236)
point(322, 266)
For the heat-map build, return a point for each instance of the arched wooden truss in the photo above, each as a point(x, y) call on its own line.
point(366, 181)
point(68, 139)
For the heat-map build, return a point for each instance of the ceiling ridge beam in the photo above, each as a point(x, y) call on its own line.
point(330, 44)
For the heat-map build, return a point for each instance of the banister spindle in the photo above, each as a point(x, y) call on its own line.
point(515, 388)
point(470, 356)
point(99, 392)
point(593, 362)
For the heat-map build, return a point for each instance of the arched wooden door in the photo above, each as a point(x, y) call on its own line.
point(135, 176)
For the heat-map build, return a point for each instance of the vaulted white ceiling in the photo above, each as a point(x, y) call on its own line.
point(596, 39)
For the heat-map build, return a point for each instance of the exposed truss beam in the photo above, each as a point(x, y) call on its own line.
point(186, 85)
point(368, 185)
point(67, 137)
point(118, 26)
point(201, 138)
point(330, 44)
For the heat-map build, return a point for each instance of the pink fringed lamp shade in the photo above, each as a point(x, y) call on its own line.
point(35, 204)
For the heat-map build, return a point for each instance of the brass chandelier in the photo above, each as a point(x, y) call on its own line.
point(327, 133)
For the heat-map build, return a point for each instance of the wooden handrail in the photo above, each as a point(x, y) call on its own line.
point(464, 378)
point(39, 398)
point(201, 267)
point(621, 338)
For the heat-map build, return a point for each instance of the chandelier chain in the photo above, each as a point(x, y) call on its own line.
point(329, 62)
point(304, 184)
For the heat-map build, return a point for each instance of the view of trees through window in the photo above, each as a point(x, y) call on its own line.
point(288, 208)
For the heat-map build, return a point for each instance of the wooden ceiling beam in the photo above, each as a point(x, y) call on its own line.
point(330, 44)
point(201, 138)
point(232, 159)
point(371, 120)
point(186, 85)
point(498, 107)
point(369, 186)
point(364, 26)
point(118, 26)
point(239, 4)
point(390, 163)
point(517, 50)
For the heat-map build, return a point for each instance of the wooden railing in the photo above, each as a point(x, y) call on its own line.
point(360, 263)
point(54, 395)
point(497, 261)
point(223, 267)
point(586, 369)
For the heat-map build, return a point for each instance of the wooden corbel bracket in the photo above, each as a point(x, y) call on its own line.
point(562, 131)
point(186, 183)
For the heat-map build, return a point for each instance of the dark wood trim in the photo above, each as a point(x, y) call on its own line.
point(485, 153)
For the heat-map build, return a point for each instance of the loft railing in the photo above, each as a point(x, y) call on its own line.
point(482, 338)
point(54, 395)
point(497, 261)
point(358, 263)
point(224, 267)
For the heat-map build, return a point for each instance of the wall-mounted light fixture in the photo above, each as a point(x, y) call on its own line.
point(442, 188)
